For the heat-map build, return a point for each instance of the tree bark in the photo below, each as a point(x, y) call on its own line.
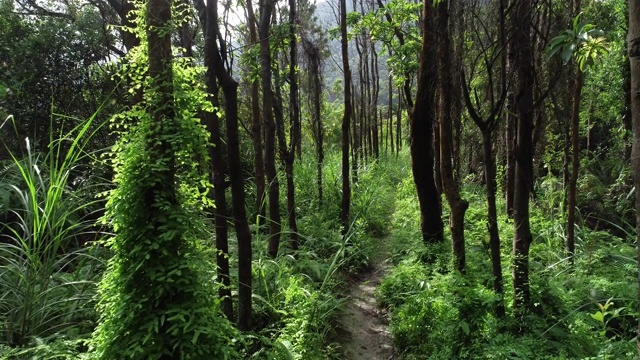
point(399, 124)
point(256, 126)
point(449, 100)
point(315, 87)
point(633, 48)
point(218, 166)
point(266, 10)
point(296, 131)
point(492, 219)
point(287, 156)
point(422, 116)
point(523, 63)
point(346, 186)
point(230, 91)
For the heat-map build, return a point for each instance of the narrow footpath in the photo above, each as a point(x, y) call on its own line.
point(366, 324)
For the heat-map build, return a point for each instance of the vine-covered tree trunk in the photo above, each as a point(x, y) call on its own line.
point(243, 234)
point(218, 165)
point(266, 10)
point(523, 63)
point(346, 186)
point(256, 126)
point(633, 48)
point(421, 126)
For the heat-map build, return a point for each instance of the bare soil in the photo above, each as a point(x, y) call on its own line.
point(366, 325)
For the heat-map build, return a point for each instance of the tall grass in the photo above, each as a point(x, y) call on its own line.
point(45, 275)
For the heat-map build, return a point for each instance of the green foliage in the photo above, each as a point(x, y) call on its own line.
point(440, 314)
point(402, 60)
point(51, 65)
point(157, 298)
point(47, 275)
point(583, 41)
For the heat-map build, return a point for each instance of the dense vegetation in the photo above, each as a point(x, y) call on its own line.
point(195, 180)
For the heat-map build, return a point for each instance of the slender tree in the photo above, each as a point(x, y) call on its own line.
point(633, 47)
point(422, 117)
point(346, 118)
point(230, 90)
point(523, 64)
point(487, 123)
point(218, 166)
point(256, 126)
point(585, 43)
point(449, 90)
point(266, 11)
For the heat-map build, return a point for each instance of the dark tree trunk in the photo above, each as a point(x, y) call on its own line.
point(492, 219)
point(315, 87)
point(399, 124)
point(421, 121)
point(266, 10)
point(523, 63)
point(296, 131)
point(346, 186)
point(374, 100)
point(256, 126)
point(449, 100)
point(218, 166)
point(390, 114)
point(510, 135)
point(436, 148)
point(633, 48)
point(230, 91)
point(575, 164)
point(287, 156)
point(186, 39)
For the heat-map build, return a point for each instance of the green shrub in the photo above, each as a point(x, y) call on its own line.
point(47, 277)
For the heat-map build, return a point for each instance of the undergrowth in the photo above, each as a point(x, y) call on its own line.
point(581, 311)
point(299, 296)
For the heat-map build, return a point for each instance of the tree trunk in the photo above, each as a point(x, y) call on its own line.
point(390, 114)
point(287, 156)
point(266, 10)
point(230, 91)
point(296, 131)
point(633, 48)
point(218, 166)
point(492, 219)
point(523, 63)
point(510, 135)
point(399, 124)
point(575, 164)
point(256, 126)
point(346, 186)
point(449, 100)
point(375, 73)
point(421, 126)
point(315, 87)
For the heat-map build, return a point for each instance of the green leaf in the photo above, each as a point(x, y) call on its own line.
point(599, 316)
point(465, 327)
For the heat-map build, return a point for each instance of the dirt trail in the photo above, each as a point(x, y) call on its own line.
point(368, 335)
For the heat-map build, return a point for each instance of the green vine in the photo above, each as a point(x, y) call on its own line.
point(158, 297)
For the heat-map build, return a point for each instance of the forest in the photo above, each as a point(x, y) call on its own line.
point(319, 179)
